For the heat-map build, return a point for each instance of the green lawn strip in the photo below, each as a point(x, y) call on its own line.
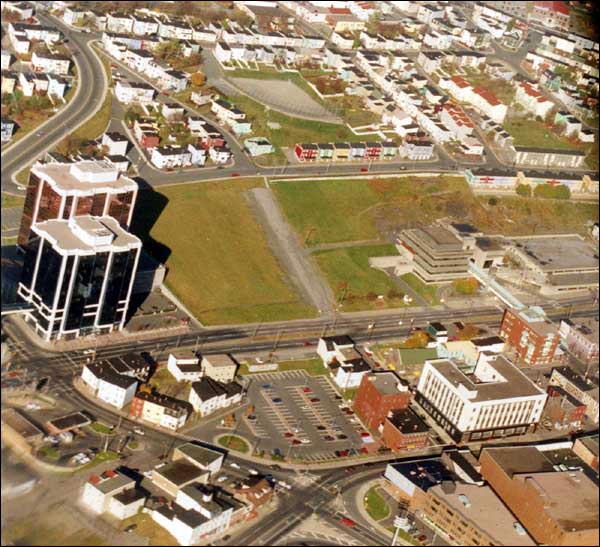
point(233, 442)
point(428, 292)
point(354, 282)
point(50, 453)
point(314, 367)
point(416, 356)
point(8, 200)
point(376, 505)
point(148, 528)
point(218, 258)
point(101, 457)
point(99, 427)
point(404, 535)
point(349, 394)
point(331, 211)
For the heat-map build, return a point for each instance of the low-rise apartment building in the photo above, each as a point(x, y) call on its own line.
point(159, 410)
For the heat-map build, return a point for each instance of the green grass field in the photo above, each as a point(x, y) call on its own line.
point(529, 132)
point(332, 211)
point(352, 279)
point(99, 427)
point(428, 292)
point(314, 367)
point(233, 442)
point(8, 200)
point(218, 259)
point(375, 505)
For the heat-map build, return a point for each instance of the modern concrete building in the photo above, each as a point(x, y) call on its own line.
point(78, 276)
point(496, 400)
point(556, 264)
point(556, 507)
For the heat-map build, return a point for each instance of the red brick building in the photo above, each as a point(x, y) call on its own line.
point(564, 410)
point(531, 335)
point(306, 152)
point(404, 430)
point(378, 394)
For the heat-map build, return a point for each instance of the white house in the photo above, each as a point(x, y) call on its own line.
point(329, 347)
point(116, 390)
point(24, 10)
point(530, 97)
point(119, 22)
point(114, 493)
point(219, 154)
point(222, 52)
point(203, 499)
point(499, 400)
point(73, 16)
point(185, 368)
point(197, 154)
point(143, 26)
point(6, 59)
point(208, 395)
point(170, 157)
point(138, 59)
point(116, 143)
point(220, 367)
point(130, 92)
point(50, 62)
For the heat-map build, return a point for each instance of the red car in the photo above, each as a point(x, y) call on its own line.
point(306, 390)
point(235, 174)
point(296, 441)
point(315, 400)
point(288, 434)
point(365, 434)
point(348, 522)
point(364, 169)
point(307, 343)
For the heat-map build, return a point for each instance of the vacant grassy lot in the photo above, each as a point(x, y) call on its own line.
point(530, 132)
point(293, 130)
point(8, 200)
point(375, 505)
point(417, 356)
point(218, 259)
point(233, 442)
point(350, 209)
point(354, 282)
point(428, 292)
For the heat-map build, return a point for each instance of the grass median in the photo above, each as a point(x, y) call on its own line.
point(376, 505)
point(233, 442)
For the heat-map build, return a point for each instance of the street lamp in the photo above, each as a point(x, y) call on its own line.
point(371, 327)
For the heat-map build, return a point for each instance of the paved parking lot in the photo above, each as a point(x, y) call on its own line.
point(300, 416)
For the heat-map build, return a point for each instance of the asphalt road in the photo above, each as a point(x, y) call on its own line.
point(88, 99)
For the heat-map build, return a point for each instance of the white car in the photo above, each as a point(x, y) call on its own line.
point(234, 465)
point(305, 441)
point(223, 478)
point(284, 484)
point(88, 351)
point(137, 429)
point(253, 471)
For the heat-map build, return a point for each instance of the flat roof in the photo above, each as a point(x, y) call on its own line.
point(220, 360)
point(63, 233)
point(200, 454)
point(515, 383)
point(180, 472)
point(424, 474)
point(385, 382)
point(407, 421)
point(481, 506)
point(520, 460)
point(557, 252)
point(93, 176)
point(70, 421)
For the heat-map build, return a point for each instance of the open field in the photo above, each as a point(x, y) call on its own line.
point(218, 259)
point(8, 200)
point(375, 505)
point(332, 211)
point(530, 132)
point(355, 284)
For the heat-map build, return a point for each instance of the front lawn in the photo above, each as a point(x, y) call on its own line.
point(101, 428)
point(218, 258)
point(354, 282)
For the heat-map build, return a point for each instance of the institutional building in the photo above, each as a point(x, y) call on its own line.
point(496, 400)
point(78, 276)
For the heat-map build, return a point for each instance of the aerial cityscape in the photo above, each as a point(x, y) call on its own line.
point(300, 273)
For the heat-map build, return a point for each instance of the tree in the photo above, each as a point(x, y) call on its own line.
point(524, 190)
point(169, 50)
point(493, 201)
point(562, 192)
point(198, 79)
point(550, 116)
point(419, 339)
point(131, 116)
point(511, 24)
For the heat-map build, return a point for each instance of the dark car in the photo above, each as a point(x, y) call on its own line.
point(328, 438)
point(296, 442)
point(315, 400)
point(341, 436)
point(288, 434)
point(321, 428)
point(277, 400)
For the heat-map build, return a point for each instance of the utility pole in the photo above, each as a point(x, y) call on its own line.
point(277, 340)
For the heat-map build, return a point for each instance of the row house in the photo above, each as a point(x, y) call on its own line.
point(114, 389)
point(74, 16)
point(232, 116)
point(114, 493)
point(8, 128)
point(98, 19)
point(159, 409)
point(480, 97)
point(41, 33)
point(209, 395)
point(475, 38)
point(144, 26)
point(471, 59)
point(456, 120)
point(134, 92)
point(9, 81)
point(210, 136)
point(530, 97)
point(119, 22)
point(203, 35)
point(20, 43)
point(416, 147)
point(138, 59)
point(344, 40)
point(50, 62)
point(197, 154)
point(24, 10)
point(146, 133)
point(428, 13)
point(50, 84)
point(170, 157)
point(430, 60)
point(581, 339)
point(6, 59)
point(115, 143)
point(219, 154)
point(175, 29)
point(223, 52)
point(438, 40)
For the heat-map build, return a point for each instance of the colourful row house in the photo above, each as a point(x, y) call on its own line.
point(342, 151)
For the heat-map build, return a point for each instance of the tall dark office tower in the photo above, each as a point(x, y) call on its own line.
point(78, 276)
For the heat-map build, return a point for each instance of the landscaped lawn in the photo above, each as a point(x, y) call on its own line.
point(233, 442)
point(8, 200)
point(354, 282)
point(330, 211)
point(530, 132)
point(417, 356)
point(375, 505)
point(101, 457)
point(218, 259)
point(99, 427)
point(428, 292)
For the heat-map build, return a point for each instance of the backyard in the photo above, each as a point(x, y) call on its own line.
point(218, 259)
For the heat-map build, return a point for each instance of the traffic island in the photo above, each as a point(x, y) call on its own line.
point(375, 504)
point(233, 442)
point(136, 445)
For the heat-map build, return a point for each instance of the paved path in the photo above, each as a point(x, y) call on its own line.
point(292, 255)
point(344, 244)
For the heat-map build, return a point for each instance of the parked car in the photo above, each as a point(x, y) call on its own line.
point(307, 390)
point(347, 522)
point(305, 441)
point(341, 436)
point(253, 471)
point(137, 429)
point(234, 465)
point(277, 400)
point(295, 442)
point(315, 400)
point(222, 478)
point(288, 434)
point(328, 438)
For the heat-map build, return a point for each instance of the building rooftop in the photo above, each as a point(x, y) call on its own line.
point(558, 253)
point(407, 421)
point(220, 360)
point(199, 454)
point(513, 382)
point(180, 472)
point(424, 474)
point(70, 421)
point(386, 382)
point(481, 506)
point(110, 481)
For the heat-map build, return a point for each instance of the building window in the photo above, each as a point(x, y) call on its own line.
point(48, 274)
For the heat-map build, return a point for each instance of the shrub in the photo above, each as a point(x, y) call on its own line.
point(493, 201)
point(524, 190)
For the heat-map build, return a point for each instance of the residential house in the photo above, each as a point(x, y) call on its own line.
point(581, 338)
point(341, 151)
point(185, 366)
point(119, 23)
point(50, 62)
point(257, 146)
point(197, 153)
point(115, 143)
point(134, 92)
point(416, 148)
point(109, 386)
point(219, 154)
point(143, 26)
point(208, 395)
point(170, 157)
point(8, 128)
point(306, 152)
point(530, 97)
point(6, 59)
point(114, 493)
point(219, 367)
point(159, 409)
